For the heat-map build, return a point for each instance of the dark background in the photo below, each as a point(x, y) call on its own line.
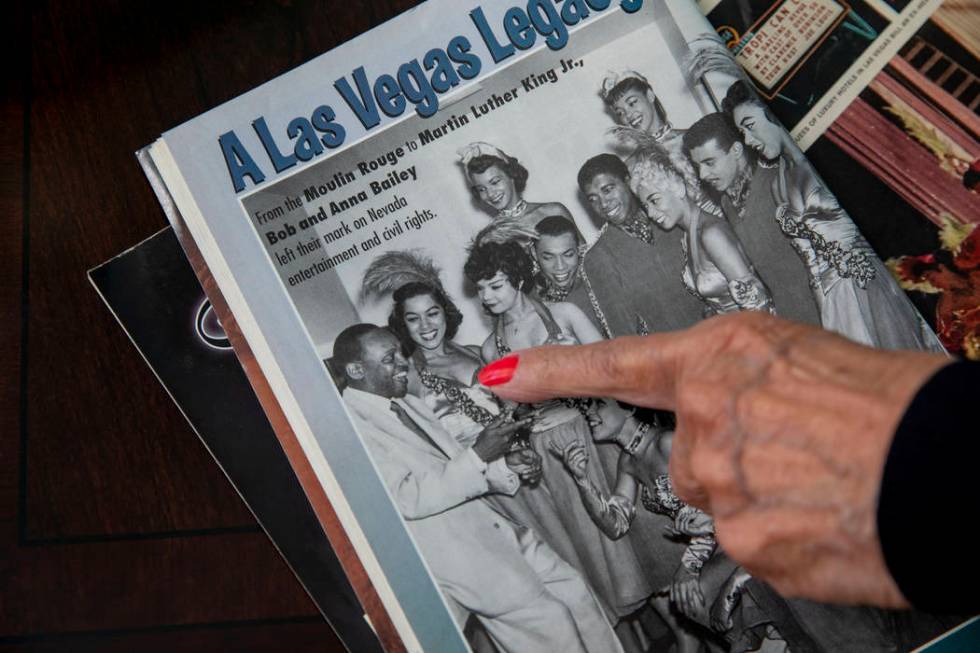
point(117, 529)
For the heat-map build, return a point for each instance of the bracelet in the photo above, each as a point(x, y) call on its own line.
point(638, 434)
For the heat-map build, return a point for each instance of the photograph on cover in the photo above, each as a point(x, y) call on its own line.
point(607, 189)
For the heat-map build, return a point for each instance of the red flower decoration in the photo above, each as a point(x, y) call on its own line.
point(968, 253)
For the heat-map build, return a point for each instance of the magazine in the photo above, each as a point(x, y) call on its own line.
point(899, 141)
point(811, 58)
point(152, 291)
point(327, 209)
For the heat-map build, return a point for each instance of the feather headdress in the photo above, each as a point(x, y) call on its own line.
point(614, 79)
point(501, 230)
point(479, 148)
point(392, 270)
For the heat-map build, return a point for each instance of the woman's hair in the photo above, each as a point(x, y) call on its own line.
point(741, 93)
point(652, 167)
point(511, 167)
point(635, 84)
point(396, 320)
point(487, 259)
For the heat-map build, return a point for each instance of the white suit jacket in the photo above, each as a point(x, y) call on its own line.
point(471, 549)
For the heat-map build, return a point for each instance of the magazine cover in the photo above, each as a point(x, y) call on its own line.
point(811, 58)
point(377, 614)
point(551, 174)
point(902, 154)
point(152, 291)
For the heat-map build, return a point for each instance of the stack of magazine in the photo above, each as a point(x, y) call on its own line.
point(354, 239)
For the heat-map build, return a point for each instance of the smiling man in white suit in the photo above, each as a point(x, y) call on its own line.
point(526, 597)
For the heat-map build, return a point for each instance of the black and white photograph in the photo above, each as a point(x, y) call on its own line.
point(607, 189)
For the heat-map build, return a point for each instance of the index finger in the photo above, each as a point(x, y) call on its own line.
point(640, 370)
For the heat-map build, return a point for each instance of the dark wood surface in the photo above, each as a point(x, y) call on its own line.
point(117, 529)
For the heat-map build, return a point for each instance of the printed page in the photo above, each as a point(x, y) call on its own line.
point(533, 183)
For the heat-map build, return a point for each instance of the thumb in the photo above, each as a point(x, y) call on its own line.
point(640, 370)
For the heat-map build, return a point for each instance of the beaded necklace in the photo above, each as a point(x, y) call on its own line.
point(515, 211)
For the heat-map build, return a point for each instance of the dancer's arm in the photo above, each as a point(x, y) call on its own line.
point(612, 514)
point(722, 248)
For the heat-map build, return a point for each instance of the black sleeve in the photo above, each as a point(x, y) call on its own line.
point(930, 494)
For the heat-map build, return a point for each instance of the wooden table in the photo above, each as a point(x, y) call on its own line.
point(117, 529)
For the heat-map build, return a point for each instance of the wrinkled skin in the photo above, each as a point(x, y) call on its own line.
point(782, 433)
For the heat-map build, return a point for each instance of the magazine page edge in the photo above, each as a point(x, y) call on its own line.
point(198, 232)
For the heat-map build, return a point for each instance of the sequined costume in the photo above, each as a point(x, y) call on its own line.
point(854, 291)
point(610, 566)
point(705, 281)
point(464, 411)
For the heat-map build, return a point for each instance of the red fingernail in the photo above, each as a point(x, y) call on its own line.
point(499, 371)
